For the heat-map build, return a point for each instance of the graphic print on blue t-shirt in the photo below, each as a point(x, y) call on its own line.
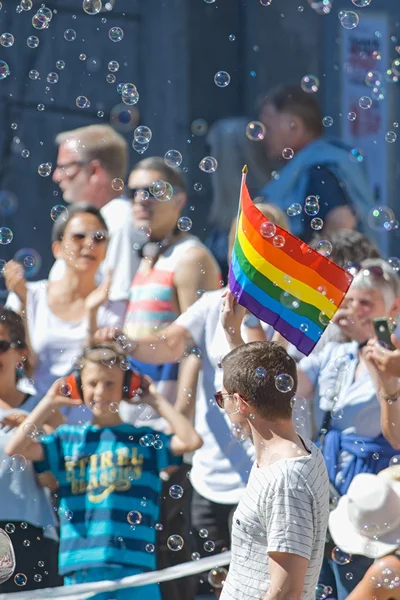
point(104, 474)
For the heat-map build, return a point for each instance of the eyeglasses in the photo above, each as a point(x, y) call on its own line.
point(376, 272)
point(219, 398)
point(5, 345)
point(97, 237)
point(145, 192)
point(67, 169)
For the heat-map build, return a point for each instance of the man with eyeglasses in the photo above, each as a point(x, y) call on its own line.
point(91, 167)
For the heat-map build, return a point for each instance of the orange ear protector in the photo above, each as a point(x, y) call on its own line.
point(132, 383)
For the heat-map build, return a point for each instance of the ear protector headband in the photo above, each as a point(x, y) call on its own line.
point(131, 383)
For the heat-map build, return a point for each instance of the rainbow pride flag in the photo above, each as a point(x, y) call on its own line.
point(281, 280)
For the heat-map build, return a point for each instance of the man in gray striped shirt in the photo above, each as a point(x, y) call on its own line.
point(279, 527)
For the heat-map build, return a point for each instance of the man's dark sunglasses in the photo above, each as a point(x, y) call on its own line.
point(98, 237)
point(219, 398)
point(130, 192)
point(5, 345)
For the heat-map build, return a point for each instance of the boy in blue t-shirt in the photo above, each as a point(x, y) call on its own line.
point(107, 473)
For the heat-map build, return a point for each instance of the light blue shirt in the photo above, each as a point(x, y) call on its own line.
point(357, 408)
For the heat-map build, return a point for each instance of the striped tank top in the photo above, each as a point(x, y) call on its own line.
point(152, 306)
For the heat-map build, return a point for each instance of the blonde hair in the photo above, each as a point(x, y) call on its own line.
point(102, 143)
point(272, 212)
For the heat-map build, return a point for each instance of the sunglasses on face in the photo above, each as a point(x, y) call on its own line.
point(5, 345)
point(97, 237)
point(143, 192)
point(69, 169)
point(220, 397)
point(376, 272)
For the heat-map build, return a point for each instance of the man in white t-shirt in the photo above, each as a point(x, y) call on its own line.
point(279, 527)
point(91, 167)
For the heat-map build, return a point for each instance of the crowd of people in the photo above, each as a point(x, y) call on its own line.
point(147, 419)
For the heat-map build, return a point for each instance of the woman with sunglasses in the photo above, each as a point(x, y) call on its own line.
point(62, 316)
point(26, 512)
point(353, 419)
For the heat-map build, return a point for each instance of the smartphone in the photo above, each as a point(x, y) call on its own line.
point(383, 332)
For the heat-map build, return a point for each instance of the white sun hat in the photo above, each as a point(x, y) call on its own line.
point(366, 520)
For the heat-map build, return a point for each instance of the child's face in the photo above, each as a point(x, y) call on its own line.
point(102, 390)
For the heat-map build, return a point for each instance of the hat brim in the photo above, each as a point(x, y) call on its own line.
point(347, 538)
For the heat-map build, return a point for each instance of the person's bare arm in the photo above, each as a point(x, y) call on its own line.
point(287, 574)
point(189, 370)
point(340, 217)
point(367, 591)
point(196, 271)
point(168, 346)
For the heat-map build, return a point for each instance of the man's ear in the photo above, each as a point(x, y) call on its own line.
point(56, 249)
point(395, 309)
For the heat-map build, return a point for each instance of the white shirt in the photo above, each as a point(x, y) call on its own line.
point(285, 508)
point(222, 465)
point(56, 342)
point(122, 256)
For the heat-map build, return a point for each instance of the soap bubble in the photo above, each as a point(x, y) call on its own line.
point(52, 77)
point(394, 262)
point(6, 236)
point(265, 2)
point(311, 206)
point(184, 224)
point(203, 533)
point(197, 187)
point(142, 134)
point(324, 247)
point(176, 492)
point(44, 169)
point(287, 153)
point(32, 41)
point(261, 372)
point(70, 35)
point(267, 229)
point(349, 19)
point(278, 241)
point(339, 557)
point(30, 260)
point(352, 116)
point(17, 463)
point(40, 21)
point(6, 40)
point(222, 79)
point(195, 556)
point(134, 517)
point(208, 164)
point(199, 127)
point(82, 102)
point(175, 543)
point(37, 577)
point(92, 7)
point(317, 223)
point(117, 184)
point(147, 440)
point(321, 7)
point(378, 93)
point(373, 79)
point(391, 137)
point(173, 159)
point(60, 64)
point(394, 461)
point(113, 66)
point(129, 93)
point(114, 407)
point(7, 557)
point(209, 546)
point(59, 211)
point(20, 579)
point(320, 592)
point(4, 69)
point(45, 12)
point(25, 4)
point(255, 131)
point(310, 84)
point(116, 34)
point(361, 3)
point(284, 382)
point(294, 209)
point(365, 102)
point(327, 121)
point(34, 74)
point(10, 528)
point(380, 218)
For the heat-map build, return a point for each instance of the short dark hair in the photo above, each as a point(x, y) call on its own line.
point(293, 100)
point(65, 217)
point(172, 176)
point(15, 327)
point(260, 388)
point(348, 246)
